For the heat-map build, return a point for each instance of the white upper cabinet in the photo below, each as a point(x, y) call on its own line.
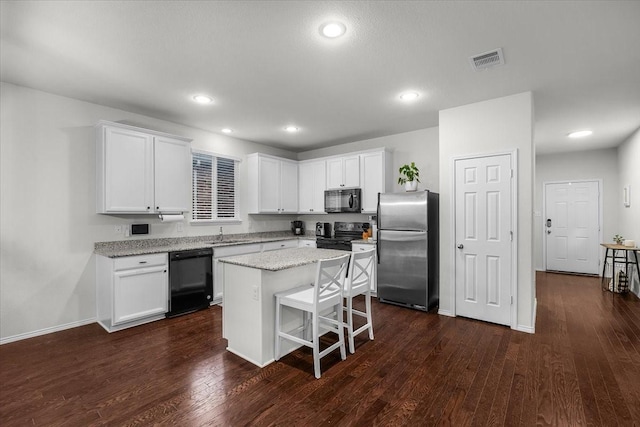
point(343, 172)
point(279, 185)
point(140, 171)
point(289, 186)
point(312, 183)
point(273, 184)
point(376, 177)
point(172, 174)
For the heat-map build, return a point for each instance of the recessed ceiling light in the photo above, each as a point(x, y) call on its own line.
point(409, 96)
point(291, 129)
point(203, 99)
point(580, 134)
point(333, 29)
point(227, 130)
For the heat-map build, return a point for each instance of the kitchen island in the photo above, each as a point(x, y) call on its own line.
point(250, 282)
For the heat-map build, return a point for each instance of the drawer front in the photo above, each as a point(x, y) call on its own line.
point(140, 261)
point(236, 250)
point(285, 244)
point(307, 244)
point(361, 247)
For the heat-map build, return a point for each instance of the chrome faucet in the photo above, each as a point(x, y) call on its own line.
point(221, 236)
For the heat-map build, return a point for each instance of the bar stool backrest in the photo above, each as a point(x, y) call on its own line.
point(330, 280)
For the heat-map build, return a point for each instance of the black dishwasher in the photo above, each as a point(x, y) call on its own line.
point(190, 281)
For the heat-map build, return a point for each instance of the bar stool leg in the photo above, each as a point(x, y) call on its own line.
point(604, 266)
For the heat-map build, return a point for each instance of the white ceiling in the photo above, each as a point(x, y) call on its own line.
point(266, 65)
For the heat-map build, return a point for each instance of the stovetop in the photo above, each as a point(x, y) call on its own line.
point(346, 232)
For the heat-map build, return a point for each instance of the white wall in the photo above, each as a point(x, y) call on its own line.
point(498, 125)
point(577, 165)
point(47, 218)
point(629, 174)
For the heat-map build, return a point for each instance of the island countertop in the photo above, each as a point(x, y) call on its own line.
point(283, 258)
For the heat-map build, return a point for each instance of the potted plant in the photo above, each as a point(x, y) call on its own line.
point(409, 176)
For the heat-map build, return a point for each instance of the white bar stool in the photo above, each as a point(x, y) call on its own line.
point(357, 283)
point(316, 301)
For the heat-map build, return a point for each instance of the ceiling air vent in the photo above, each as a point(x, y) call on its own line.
point(486, 60)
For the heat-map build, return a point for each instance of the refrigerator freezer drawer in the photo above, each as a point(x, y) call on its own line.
point(403, 267)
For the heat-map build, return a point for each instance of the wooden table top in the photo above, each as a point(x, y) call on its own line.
point(618, 247)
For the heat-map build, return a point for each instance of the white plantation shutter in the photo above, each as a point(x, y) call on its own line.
point(226, 188)
point(214, 192)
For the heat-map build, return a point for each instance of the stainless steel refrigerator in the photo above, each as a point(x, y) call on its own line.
point(408, 271)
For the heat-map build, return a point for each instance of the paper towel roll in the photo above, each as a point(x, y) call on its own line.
point(171, 218)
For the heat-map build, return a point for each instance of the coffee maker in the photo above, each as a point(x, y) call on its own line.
point(323, 229)
point(297, 227)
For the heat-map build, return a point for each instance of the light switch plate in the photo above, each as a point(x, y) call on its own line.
point(118, 229)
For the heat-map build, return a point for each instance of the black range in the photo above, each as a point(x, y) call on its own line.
point(344, 233)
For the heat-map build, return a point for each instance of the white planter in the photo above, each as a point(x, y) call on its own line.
point(411, 185)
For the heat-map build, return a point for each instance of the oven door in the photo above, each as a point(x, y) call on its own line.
point(342, 245)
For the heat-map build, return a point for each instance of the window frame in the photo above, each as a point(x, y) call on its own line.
point(214, 190)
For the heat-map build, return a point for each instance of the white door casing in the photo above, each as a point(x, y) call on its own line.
point(484, 211)
point(571, 226)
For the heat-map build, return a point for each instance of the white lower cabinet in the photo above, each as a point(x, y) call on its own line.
point(218, 267)
point(307, 244)
point(361, 247)
point(218, 273)
point(131, 290)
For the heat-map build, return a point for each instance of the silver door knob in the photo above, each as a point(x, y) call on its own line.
point(460, 246)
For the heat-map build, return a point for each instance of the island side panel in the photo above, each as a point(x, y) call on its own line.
point(278, 281)
point(241, 312)
point(249, 309)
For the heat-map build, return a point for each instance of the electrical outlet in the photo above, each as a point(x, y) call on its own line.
point(118, 229)
point(256, 294)
point(126, 231)
point(180, 227)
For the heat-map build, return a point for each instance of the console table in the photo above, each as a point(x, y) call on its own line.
point(621, 258)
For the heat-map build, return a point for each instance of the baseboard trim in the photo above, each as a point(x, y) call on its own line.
point(446, 313)
point(530, 329)
point(46, 331)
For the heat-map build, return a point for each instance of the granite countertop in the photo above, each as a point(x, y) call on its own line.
point(122, 248)
point(283, 258)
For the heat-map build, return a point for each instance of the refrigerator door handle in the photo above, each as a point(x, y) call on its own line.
point(378, 246)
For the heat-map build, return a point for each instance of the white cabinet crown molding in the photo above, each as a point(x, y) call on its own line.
point(139, 129)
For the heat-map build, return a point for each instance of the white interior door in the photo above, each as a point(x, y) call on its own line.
point(572, 226)
point(483, 237)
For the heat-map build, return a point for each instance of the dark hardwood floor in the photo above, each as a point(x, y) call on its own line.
point(582, 367)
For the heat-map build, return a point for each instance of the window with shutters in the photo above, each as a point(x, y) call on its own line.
point(215, 189)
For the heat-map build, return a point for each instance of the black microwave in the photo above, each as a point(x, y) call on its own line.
point(346, 200)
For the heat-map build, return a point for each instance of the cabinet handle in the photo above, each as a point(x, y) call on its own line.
point(148, 207)
point(142, 262)
point(157, 208)
point(165, 271)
